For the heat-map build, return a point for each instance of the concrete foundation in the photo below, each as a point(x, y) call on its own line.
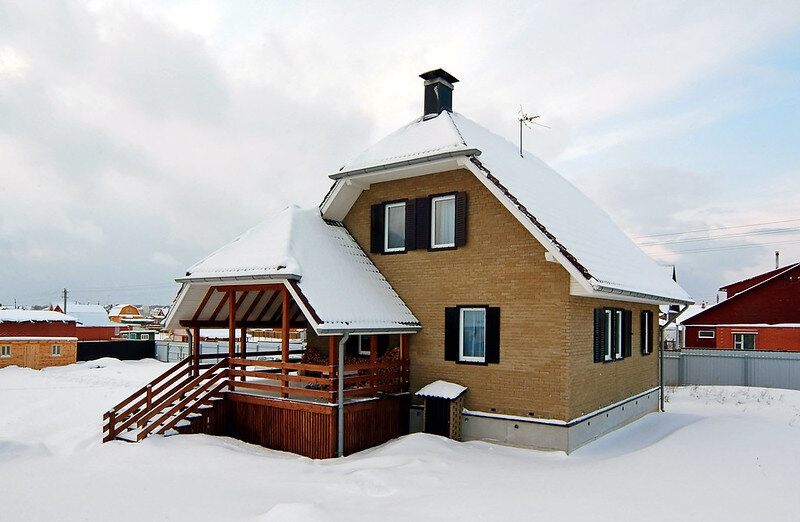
point(549, 435)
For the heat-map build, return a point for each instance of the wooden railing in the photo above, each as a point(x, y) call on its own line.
point(147, 402)
point(172, 396)
point(292, 379)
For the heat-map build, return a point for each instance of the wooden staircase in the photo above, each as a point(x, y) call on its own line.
point(179, 399)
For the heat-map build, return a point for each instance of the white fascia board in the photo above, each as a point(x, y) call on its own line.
point(301, 305)
point(173, 309)
point(554, 252)
point(347, 190)
point(339, 330)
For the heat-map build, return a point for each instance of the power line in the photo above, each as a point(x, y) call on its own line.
point(718, 228)
point(723, 236)
point(723, 248)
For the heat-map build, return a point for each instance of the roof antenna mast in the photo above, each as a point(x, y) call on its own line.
point(527, 121)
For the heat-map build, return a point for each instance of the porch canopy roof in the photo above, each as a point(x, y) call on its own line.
point(334, 287)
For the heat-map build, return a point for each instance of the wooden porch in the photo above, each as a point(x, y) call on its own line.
point(281, 404)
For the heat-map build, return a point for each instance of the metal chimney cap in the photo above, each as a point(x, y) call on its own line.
point(438, 74)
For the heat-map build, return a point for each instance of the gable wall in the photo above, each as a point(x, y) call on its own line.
point(501, 265)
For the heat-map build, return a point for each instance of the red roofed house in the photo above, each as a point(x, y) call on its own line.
point(760, 313)
point(37, 338)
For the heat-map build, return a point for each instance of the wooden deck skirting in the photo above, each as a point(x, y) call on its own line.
point(309, 429)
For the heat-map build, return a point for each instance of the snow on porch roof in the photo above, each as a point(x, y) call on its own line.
point(573, 224)
point(341, 284)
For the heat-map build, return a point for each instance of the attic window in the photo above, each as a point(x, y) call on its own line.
point(394, 234)
point(443, 224)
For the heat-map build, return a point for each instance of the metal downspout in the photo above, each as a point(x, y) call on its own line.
point(661, 354)
point(340, 423)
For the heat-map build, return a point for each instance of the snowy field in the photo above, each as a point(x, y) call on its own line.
point(719, 453)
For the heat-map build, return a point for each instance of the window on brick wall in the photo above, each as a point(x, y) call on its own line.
point(472, 334)
point(436, 222)
point(646, 332)
point(56, 349)
point(5, 351)
point(612, 334)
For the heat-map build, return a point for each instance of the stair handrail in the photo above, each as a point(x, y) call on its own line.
point(154, 407)
point(143, 390)
point(179, 408)
point(145, 415)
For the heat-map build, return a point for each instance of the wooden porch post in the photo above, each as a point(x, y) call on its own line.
point(196, 350)
point(285, 339)
point(404, 357)
point(231, 333)
point(244, 345)
point(332, 347)
point(373, 358)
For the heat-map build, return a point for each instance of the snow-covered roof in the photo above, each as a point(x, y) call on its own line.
point(570, 225)
point(89, 314)
point(34, 316)
point(442, 390)
point(116, 310)
point(331, 271)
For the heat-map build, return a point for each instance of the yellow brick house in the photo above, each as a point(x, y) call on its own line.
point(440, 260)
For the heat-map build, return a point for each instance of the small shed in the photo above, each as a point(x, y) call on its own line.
point(444, 402)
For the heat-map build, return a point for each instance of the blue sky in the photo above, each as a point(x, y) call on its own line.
point(136, 137)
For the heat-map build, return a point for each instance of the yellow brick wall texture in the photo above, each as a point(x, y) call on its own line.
point(38, 354)
point(545, 368)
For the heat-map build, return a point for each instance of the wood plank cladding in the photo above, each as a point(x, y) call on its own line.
point(308, 429)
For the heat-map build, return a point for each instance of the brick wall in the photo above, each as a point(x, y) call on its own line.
point(595, 385)
point(38, 354)
point(545, 368)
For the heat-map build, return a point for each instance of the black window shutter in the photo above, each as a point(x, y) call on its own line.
point(599, 334)
point(493, 335)
point(376, 229)
point(627, 333)
point(461, 219)
point(451, 326)
point(411, 218)
point(642, 335)
point(423, 224)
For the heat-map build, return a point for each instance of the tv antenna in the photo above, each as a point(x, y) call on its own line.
point(527, 120)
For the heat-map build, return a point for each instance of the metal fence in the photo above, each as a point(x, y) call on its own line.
point(733, 368)
point(168, 351)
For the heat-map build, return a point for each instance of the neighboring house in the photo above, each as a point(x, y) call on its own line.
point(37, 338)
point(126, 314)
point(439, 254)
point(675, 332)
point(93, 323)
point(760, 313)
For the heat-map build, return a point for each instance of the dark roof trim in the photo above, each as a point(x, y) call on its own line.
point(406, 163)
point(303, 298)
point(533, 219)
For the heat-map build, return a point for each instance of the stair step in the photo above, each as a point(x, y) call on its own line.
point(194, 416)
point(129, 436)
point(182, 423)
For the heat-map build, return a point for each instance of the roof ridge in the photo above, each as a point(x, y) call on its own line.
point(455, 127)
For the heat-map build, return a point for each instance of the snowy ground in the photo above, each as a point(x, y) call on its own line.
point(719, 453)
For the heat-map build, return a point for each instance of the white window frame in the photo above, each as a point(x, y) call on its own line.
point(740, 342)
point(361, 350)
point(56, 350)
point(618, 343)
point(648, 335)
point(5, 351)
point(461, 356)
point(433, 221)
point(701, 336)
point(386, 208)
